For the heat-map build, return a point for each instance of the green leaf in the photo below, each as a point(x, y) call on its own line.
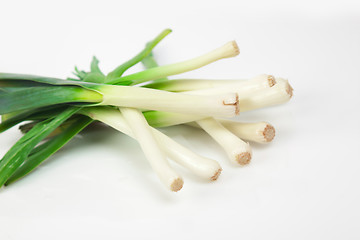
point(79, 74)
point(19, 152)
point(40, 79)
point(94, 77)
point(22, 148)
point(44, 151)
point(37, 113)
point(19, 84)
point(94, 67)
point(149, 62)
point(118, 72)
point(35, 97)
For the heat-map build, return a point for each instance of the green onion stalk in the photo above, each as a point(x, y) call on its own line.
point(25, 97)
point(17, 94)
point(134, 104)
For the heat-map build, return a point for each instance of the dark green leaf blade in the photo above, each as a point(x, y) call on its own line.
point(44, 151)
point(22, 148)
point(35, 97)
point(41, 79)
point(12, 119)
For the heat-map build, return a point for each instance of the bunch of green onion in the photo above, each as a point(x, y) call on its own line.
point(55, 110)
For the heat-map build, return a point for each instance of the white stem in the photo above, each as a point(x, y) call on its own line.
point(225, 105)
point(242, 88)
point(152, 151)
point(200, 166)
point(280, 93)
point(261, 132)
point(228, 50)
point(237, 150)
point(204, 167)
point(182, 85)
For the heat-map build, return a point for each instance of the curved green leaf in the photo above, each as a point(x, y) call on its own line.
point(22, 148)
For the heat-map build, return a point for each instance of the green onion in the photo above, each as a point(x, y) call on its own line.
point(118, 72)
point(200, 166)
point(228, 50)
point(55, 110)
point(143, 134)
point(260, 132)
point(41, 153)
point(224, 105)
point(238, 151)
point(182, 85)
point(280, 93)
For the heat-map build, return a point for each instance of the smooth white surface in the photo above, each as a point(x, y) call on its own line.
point(304, 185)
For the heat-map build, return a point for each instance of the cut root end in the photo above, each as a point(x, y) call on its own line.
point(216, 175)
point(233, 102)
point(271, 80)
point(289, 90)
point(243, 158)
point(268, 133)
point(177, 184)
point(236, 48)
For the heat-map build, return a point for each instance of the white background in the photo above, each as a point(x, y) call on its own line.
point(304, 185)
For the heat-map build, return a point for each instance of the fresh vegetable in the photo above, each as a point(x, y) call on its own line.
point(52, 111)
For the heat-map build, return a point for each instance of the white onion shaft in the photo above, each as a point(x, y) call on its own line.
point(151, 149)
point(245, 87)
point(260, 132)
point(237, 150)
point(203, 167)
point(225, 105)
point(228, 50)
point(280, 93)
